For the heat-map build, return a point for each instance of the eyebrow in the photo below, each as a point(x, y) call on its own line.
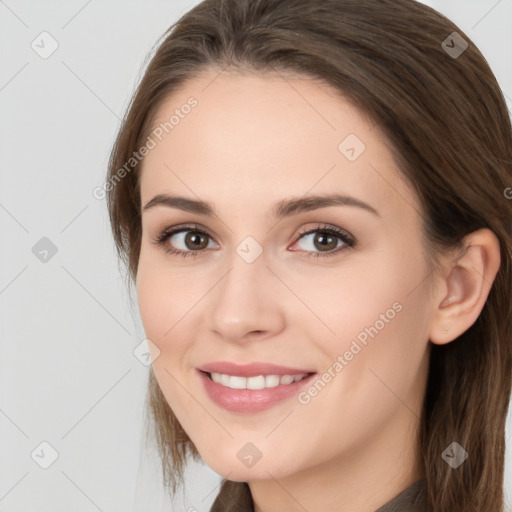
point(280, 210)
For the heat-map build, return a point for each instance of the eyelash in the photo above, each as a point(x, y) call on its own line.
point(349, 242)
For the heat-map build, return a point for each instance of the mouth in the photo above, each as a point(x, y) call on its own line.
point(256, 382)
point(251, 388)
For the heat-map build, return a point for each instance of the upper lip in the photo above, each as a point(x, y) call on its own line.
point(251, 369)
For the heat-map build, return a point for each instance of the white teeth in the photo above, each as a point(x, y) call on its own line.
point(271, 381)
point(237, 382)
point(257, 382)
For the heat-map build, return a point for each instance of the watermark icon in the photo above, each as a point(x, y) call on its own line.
point(44, 45)
point(508, 193)
point(100, 192)
point(44, 455)
point(351, 147)
point(304, 397)
point(143, 352)
point(454, 45)
point(44, 250)
point(249, 249)
point(454, 455)
point(249, 455)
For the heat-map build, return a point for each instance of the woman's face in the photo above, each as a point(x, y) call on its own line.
point(345, 305)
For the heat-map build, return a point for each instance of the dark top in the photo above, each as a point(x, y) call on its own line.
point(412, 499)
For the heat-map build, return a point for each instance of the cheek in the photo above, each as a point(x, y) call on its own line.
point(169, 308)
point(352, 297)
point(161, 309)
point(158, 300)
point(382, 330)
point(374, 310)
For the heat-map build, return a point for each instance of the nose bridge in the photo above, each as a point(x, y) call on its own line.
point(245, 299)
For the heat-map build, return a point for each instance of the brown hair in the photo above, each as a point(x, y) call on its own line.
point(450, 133)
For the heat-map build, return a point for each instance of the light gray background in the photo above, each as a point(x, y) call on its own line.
point(67, 331)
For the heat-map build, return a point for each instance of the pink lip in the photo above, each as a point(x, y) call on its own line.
point(251, 370)
point(250, 400)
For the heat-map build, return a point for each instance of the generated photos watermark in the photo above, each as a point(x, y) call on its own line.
point(157, 133)
point(358, 343)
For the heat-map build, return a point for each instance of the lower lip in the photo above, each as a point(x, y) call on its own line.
point(250, 400)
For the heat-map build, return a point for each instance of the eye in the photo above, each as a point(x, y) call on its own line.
point(326, 238)
point(191, 240)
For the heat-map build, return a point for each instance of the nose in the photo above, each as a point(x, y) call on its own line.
point(247, 303)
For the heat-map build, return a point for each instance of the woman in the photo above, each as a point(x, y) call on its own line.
point(313, 201)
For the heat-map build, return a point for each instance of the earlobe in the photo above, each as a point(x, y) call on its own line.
point(465, 289)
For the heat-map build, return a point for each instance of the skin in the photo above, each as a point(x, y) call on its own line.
point(252, 141)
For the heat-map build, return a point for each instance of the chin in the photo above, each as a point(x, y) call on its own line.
point(257, 472)
point(240, 467)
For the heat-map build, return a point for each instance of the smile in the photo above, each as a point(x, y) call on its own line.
point(253, 388)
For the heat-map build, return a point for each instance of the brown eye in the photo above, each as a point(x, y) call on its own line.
point(325, 241)
point(196, 241)
point(183, 241)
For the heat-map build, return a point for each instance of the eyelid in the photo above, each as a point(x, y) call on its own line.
point(325, 227)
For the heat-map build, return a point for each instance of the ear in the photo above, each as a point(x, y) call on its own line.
point(462, 293)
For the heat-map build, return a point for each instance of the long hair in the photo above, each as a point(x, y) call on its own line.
point(443, 113)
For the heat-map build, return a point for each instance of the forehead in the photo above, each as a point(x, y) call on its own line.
point(260, 137)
